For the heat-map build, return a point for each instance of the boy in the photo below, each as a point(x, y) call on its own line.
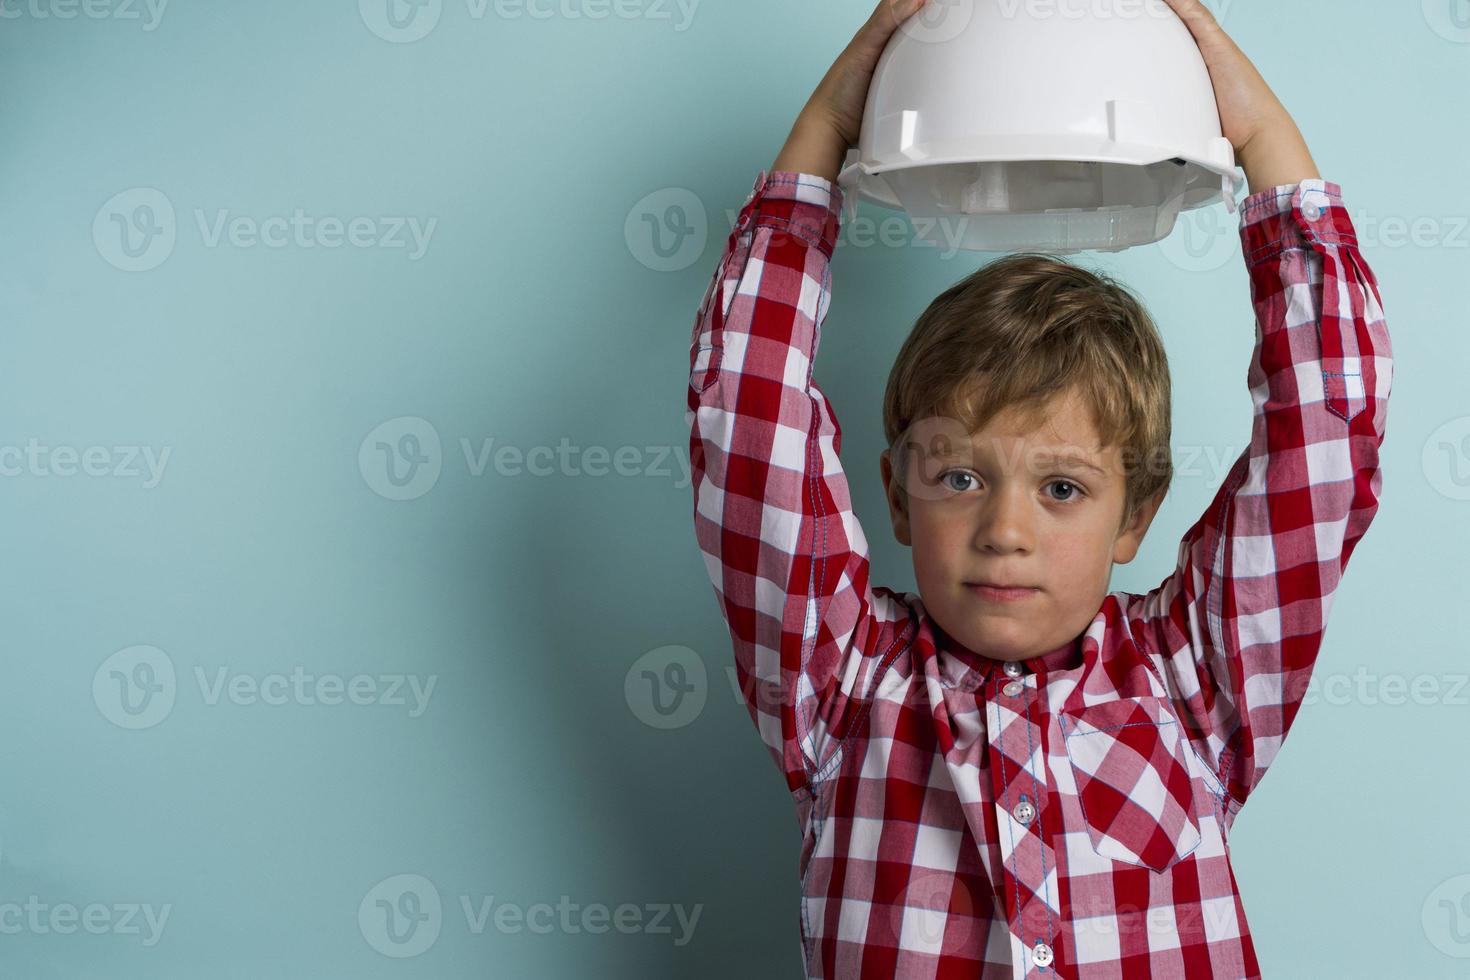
point(1017, 773)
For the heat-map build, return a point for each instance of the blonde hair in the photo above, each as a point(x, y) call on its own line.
point(1023, 329)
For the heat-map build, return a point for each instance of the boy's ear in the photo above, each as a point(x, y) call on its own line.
point(1131, 535)
point(897, 501)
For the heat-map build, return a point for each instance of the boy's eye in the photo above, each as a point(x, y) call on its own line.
point(1073, 490)
point(1076, 490)
point(959, 473)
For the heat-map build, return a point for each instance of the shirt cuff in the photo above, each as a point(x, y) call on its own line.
point(1295, 215)
point(805, 205)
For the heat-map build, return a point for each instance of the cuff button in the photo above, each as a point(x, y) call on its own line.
point(1313, 206)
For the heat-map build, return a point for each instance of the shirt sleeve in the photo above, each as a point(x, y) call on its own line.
point(772, 513)
point(1236, 628)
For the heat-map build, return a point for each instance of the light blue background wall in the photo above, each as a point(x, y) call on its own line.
point(539, 316)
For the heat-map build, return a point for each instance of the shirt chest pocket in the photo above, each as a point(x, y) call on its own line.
point(1133, 781)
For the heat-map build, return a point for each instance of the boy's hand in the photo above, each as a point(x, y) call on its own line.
point(832, 119)
point(1267, 143)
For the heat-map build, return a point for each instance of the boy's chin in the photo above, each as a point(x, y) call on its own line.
point(998, 644)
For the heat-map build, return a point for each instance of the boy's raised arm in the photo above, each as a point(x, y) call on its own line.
point(772, 512)
point(1237, 627)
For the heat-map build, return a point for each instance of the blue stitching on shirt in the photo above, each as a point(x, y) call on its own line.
point(885, 660)
point(1005, 781)
point(1218, 795)
point(1113, 728)
point(716, 295)
point(1213, 600)
point(1213, 786)
point(817, 785)
point(866, 704)
point(777, 223)
point(1286, 243)
point(1329, 397)
point(1040, 837)
point(806, 923)
point(818, 560)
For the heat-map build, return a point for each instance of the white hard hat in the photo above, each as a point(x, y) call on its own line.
point(1044, 125)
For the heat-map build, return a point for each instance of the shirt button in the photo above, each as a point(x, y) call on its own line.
point(1041, 953)
point(1011, 668)
point(1313, 204)
point(1024, 811)
point(1013, 688)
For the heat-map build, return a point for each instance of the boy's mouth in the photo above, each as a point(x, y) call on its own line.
point(1000, 593)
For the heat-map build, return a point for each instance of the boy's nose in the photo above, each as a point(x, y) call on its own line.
point(1007, 523)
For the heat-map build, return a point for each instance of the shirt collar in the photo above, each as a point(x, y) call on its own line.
point(970, 669)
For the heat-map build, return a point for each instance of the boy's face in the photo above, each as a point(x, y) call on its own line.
point(1013, 506)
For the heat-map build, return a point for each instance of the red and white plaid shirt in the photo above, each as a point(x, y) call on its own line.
point(1066, 816)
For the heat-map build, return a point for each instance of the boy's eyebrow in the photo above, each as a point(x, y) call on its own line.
point(945, 451)
point(1072, 459)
